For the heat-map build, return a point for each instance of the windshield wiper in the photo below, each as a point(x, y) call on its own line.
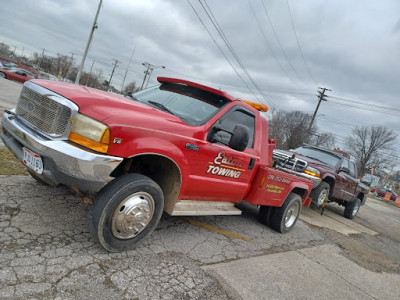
point(161, 106)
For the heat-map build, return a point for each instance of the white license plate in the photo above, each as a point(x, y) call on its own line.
point(33, 160)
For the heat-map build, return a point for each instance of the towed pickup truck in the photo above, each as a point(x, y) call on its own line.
point(334, 176)
point(179, 147)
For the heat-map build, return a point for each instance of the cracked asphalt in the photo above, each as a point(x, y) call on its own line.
point(46, 252)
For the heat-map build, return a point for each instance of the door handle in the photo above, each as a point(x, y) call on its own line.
point(251, 164)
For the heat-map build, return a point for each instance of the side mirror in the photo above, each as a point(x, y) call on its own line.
point(239, 138)
point(344, 170)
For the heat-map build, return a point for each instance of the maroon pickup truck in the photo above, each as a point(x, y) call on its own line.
point(334, 176)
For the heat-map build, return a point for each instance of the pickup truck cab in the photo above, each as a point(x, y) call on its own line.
point(333, 174)
point(179, 147)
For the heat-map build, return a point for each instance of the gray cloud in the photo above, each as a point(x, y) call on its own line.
point(351, 47)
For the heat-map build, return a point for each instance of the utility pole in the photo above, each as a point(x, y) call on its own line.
point(126, 72)
point(112, 73)
point(90, 73)
point(321, 97)
point(148, 72)
point(94, 27)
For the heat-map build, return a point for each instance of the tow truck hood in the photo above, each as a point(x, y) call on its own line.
point(109, 108)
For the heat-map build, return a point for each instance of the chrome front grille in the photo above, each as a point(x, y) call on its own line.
point(44, 110)
point(287, 161)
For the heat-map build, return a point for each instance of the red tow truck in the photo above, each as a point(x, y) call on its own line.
point(179, 147)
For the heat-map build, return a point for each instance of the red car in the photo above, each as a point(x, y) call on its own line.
point(380, 192)
point(16, 75)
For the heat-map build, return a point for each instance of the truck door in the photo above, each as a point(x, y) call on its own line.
point(222, 173)
point(352, 177)
point(347, 184)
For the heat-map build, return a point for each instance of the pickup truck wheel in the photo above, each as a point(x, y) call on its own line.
point(126, 211)
point(319, 194)
point(351, 209)
point(285, 217)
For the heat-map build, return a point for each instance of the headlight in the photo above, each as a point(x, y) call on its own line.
point(90, 133)
point(312, 171)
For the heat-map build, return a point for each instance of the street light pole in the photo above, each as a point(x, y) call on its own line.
point(78, 77)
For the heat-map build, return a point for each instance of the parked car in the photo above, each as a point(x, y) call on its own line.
point(381, 191)
point(43, 75)
point(18, 75)
point(7, 65)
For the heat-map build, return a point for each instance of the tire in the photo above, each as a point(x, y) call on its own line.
point(284, 218)
point(264, 214)
point(125, 212)
point(319, 193)
point(351, 209)
point(3, 75)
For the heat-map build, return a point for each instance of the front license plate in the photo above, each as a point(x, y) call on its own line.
point(33, 160)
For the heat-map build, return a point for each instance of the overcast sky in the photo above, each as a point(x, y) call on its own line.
point(286, 49)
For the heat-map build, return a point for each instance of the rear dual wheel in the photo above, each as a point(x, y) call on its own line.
point(282, 219)
point(126, 211)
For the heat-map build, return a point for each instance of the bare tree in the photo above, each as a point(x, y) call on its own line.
point(365, 143)
point(275, 126)
point(131, 87)
point(290, 129)
point(323, 139)
point(296, 129)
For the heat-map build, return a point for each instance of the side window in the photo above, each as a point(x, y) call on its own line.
point(353, 172)
point(345, 164)
point(233, 117)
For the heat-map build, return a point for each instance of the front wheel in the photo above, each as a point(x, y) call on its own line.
point(320, 194)
point(351, 209)
point(285, 217)
point(126, 211)
point(3, 75)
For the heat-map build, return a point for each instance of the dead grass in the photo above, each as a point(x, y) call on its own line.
point(9, 165)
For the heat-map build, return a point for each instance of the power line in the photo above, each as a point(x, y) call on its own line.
point(268, 45)
point(391, 112)
point(220, 49)
point(279, 42)
point(366, 104)
point(231, 49)
point(298, 43)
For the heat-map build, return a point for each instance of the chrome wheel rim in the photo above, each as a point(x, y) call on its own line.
point(2, 75)
point(132, 215)
point(355, 209)
point(322, 197)
point(292, 214)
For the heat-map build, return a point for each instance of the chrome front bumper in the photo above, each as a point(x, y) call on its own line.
point(63, 163)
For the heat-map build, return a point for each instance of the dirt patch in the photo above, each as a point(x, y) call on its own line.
point(355, 249)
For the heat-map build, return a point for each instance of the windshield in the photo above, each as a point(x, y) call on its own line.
point(194, 106)
point(320, 155)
